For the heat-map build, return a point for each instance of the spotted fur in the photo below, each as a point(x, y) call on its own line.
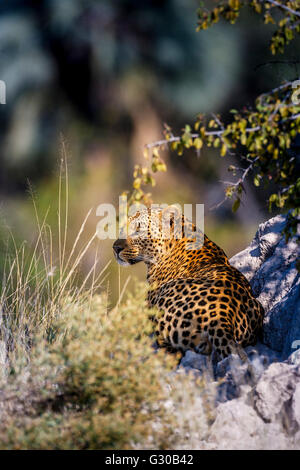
point(205, 303)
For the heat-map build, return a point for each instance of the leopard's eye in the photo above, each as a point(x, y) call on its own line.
point(136, 231)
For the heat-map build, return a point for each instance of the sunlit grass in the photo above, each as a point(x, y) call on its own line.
point(78, 372)
point(36, 280)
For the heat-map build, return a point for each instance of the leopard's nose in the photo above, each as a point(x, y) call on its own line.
point(117, 249)
point(118, 246)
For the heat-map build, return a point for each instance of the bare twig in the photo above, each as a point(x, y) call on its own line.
point(240, 181)
point(279, 88)
point(295, 25)
point(291, 118)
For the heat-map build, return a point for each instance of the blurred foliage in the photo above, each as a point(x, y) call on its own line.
point(102, 384)
point(264, 136)
point(92, 380)
point(284, 14)
point(82, 67)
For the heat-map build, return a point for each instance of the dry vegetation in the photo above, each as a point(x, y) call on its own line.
point(75, 372)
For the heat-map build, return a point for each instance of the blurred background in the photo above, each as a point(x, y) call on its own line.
point(104, 76)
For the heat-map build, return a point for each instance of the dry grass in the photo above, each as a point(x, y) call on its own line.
point(76, 374)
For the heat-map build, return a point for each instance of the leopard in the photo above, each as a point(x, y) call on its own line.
point(204, 303)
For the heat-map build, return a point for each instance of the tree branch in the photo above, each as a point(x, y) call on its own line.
point(279, 88)
point(284, 7)
point(217, 133)
point(236, 184)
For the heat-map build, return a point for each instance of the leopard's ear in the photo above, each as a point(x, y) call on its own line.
point(148, 203)
point(173, 213)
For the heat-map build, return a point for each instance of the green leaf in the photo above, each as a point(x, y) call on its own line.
point(236, 205)
point(256, 180)
point(198, 143)
point(223, 150)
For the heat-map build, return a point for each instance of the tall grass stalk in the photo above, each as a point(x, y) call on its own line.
point(38, 277)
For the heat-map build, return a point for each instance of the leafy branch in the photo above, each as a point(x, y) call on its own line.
point(284, 15)
point(284, 7)
point(264, 134)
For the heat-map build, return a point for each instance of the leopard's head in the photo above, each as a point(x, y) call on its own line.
point(151, 235)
